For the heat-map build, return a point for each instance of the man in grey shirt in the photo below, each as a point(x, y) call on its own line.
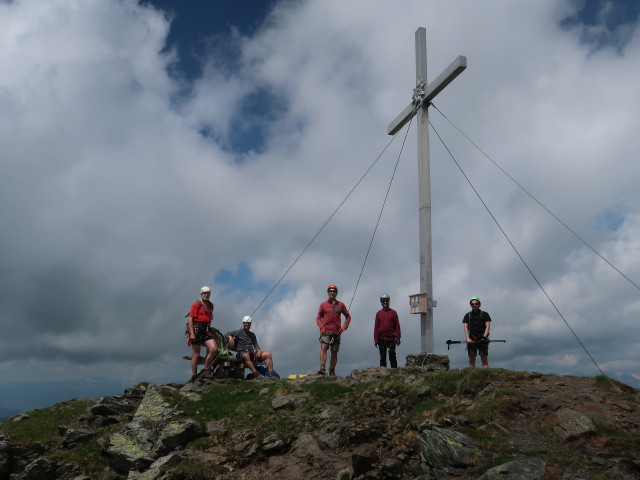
point(244, 342)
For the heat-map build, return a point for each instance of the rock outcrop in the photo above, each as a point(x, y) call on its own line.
point(378, 424)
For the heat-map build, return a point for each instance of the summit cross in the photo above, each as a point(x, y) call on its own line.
point(422, 96)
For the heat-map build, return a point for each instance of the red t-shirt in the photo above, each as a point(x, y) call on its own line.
point(202, 311)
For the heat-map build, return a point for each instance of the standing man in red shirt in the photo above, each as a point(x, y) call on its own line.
point(386, 332)
point(329, 323)
point(200, 318)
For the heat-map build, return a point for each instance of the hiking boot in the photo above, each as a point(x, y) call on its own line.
point(194, 378)
point(321, 371)
point(332, 372)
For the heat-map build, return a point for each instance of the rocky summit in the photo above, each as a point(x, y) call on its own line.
point(376, 424)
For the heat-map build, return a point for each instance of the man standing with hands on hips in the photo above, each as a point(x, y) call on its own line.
point(329, 323)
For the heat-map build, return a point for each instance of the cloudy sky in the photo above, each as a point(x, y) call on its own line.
point(150, 148)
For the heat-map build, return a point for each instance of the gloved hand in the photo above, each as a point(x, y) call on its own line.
point(375, 345)
point(342, 329)
point(397, 341)
point(322, 333)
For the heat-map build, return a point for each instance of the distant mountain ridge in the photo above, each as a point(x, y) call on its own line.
point(18, 397)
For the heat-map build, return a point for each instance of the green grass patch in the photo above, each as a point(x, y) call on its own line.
point(614, 386)
point(221, 401)
point(468, 381)
point(42, 424)
point(88, 457)
point(501, 403)
point(429, 408)
point(194, 470)
point(325, 392)
point(242, 406)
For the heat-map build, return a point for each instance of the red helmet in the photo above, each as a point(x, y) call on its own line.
point(332, 287)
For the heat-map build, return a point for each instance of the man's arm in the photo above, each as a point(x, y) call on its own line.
point(320, 316)
point(193, 313)
point(375, 329)
point(256, 345)
point(192, 333)
point(231, 339)
point(487, 328)
point(466, 329)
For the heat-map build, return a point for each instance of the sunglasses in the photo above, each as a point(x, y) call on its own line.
point(332, 291)
point(474, 303)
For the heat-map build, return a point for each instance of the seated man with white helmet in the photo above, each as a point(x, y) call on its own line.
point(244, 341)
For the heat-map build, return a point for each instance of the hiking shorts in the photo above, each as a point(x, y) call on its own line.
point(201, 330)
point(474, 348)
point(332, 340)
point(252, 357)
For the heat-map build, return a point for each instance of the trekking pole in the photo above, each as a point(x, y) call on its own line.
point(474, 342)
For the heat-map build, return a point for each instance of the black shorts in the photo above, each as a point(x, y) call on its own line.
point(474, 348)
point(201, 330)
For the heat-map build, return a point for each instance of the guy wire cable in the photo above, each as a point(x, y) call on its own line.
point(324, 224)
point(381, 210)
point(515, 249)
point(536, 200)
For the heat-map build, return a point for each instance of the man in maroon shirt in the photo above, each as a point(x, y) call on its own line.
point(328, 321)
point(386, 332)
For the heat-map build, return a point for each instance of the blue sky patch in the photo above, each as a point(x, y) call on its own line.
point(242, 280)
point(604, 23)
point(195, 23)
point(249, 130)
point(612, 218)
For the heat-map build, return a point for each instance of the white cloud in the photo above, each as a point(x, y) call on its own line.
point(116, 209)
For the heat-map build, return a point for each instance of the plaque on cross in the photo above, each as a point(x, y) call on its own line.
point(422, 95)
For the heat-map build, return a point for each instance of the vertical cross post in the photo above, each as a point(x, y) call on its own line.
point(422, 96)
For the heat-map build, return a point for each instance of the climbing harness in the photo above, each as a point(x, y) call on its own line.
point(390, 341)
point(332, 338)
